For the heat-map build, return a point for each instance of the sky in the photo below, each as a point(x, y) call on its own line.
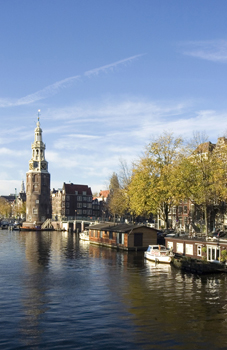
point(108, 76)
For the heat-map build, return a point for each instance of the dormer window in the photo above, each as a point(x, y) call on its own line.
point(84, 193)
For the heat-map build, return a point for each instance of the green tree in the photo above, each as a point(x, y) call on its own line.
point(118, 202)
point(5, 207)
point(152, 188)
point(202, 175)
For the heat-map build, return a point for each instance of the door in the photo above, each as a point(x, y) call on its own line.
point(138, 239)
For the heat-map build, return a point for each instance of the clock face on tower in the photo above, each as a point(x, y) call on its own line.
point(43, 166)
point(35, 164)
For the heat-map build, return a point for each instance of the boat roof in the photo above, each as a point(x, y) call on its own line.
point(117, 227)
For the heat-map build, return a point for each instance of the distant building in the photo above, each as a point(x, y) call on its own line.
point(100, 205)
point(73, 201)
point(38, 205)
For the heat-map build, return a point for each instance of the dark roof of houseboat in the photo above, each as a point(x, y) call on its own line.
point(117, 227)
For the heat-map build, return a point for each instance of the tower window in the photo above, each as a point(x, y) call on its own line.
point(34, 211)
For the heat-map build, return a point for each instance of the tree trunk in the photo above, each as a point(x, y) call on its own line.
point(206, 219)
point(166, 208)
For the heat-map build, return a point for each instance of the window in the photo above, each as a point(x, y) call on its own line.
point(67, 204)
point(110, 235)
point(76, 192)
point(199, 250)
point(96, 233)
point(101, 234)
point(79, 205)
point(84, 193)
point(37, 201)
point(85, 199)
point(213, 253)
point(180, 210)
point(185, 209)
point(34, 211)
point(180, 248)
point(121, 238)
point(89, 212)
point(170, 245)
point(89, 205)
point(67, 198)
point(84, 205)
point(189, 249)
point(67, 211)
point(89, 199)
point(85, 211)
point(79, 198)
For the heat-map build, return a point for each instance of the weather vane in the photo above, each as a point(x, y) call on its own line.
point(38, 113)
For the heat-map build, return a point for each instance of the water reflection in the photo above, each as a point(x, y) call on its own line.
point(67, 293)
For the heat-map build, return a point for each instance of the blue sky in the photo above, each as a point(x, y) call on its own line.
point(108, 76)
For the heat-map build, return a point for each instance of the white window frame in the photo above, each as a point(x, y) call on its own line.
point(189, 249)
point(180, 248)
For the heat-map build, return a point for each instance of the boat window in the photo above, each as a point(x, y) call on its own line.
point(180, 248)
point(170, 245)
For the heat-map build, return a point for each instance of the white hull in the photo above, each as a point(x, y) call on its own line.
point(159, 259)
point(84, 236)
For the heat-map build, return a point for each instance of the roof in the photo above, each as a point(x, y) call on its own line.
point(9, 198)
point(205, 147)
point(72, 188)
point(104, 194)
point(117, 227)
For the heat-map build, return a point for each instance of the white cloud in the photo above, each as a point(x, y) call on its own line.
point(52, 89)
point(212, 50)
point(111, 66)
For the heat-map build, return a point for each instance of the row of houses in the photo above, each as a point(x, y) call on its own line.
point(72, 201)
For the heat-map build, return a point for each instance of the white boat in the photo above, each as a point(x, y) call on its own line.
point(84, 235)
point(158, 253)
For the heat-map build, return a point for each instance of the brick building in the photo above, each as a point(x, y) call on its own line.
point(72, 202)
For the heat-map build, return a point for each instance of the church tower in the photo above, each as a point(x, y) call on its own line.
point(38, 205)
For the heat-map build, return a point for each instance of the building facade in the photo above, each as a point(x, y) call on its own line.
point(72, 202)
point(38, 205)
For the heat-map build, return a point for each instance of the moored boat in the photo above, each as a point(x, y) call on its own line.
point(84, 235)
point(158, 253)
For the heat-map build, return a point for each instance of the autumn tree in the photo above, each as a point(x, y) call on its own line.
point(203, 175)
point(5, 207)
point(152, 188)
point(118, 202)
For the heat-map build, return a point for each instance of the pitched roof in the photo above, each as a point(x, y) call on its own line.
point(104, 194)
point(72, 188)
point(205, 147)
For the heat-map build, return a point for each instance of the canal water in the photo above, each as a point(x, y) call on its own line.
point(57, 292)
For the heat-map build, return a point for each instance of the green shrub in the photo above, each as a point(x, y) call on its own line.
point(223, 255)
